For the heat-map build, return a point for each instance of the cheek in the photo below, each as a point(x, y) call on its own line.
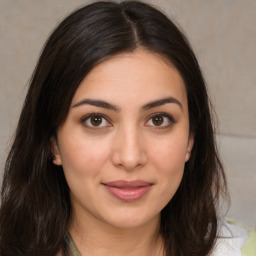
point(169, 161)
point(83, 156)
point(82, 161)
point(170, 155)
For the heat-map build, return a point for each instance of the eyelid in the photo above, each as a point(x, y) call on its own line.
point(86, 117)
point(163, 114)
point(90, 115)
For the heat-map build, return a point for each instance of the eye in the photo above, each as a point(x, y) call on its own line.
point(95, 121)
point(160, 120)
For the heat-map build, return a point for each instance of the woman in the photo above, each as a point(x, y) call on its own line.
point(114, 153)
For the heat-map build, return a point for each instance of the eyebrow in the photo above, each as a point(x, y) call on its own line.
point(161, 102)
point(104, 104)
point(97, 103)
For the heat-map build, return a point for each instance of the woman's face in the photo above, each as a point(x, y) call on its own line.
point(125, 140)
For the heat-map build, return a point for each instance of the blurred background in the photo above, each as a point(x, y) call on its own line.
point(223, 36)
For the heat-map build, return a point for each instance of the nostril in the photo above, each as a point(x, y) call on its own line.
point(129, 160)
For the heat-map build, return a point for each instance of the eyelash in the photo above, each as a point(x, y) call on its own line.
point(92, 127)
point(165, 116)
point(170, 119)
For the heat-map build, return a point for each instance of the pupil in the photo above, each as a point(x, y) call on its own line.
point(96, 120)
point(157, 120)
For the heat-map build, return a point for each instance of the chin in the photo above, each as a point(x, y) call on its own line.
point(132, 220)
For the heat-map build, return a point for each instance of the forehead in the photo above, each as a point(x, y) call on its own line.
point(131, 76)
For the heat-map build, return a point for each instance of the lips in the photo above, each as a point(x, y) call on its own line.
point(128, 190)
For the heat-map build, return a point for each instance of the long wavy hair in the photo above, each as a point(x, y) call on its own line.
point(35, 207)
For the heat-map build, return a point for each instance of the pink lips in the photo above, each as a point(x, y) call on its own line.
point(128, 190)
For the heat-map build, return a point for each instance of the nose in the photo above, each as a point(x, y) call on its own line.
point(129, 149)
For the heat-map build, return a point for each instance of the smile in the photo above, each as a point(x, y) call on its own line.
point(128, 190)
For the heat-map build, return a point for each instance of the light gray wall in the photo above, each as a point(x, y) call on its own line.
point(222, 33)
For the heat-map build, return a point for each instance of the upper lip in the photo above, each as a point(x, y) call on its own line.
point(127, 184)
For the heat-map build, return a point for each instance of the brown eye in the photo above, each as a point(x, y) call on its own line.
point(160, 121)
point(157, 120)
point(96, 120)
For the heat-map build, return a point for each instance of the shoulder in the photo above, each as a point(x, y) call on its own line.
point(230, 240)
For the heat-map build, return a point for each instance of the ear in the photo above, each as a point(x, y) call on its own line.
point(55, 152)
point(189, 146)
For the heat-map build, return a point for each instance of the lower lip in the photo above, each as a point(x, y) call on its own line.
point(128, 194)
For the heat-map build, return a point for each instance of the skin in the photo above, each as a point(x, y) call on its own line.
point(132, 141)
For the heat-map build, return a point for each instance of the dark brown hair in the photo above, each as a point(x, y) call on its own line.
point(36, 209)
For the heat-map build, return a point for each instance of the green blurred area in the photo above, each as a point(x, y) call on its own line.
point(250, 247)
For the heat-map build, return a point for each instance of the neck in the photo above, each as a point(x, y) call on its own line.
point(97, 238)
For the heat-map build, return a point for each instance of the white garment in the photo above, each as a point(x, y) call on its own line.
point(230, 241)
